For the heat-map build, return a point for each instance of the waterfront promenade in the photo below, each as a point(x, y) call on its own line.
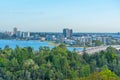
point(92, 50)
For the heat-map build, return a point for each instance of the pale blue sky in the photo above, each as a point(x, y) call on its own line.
point(54, 15)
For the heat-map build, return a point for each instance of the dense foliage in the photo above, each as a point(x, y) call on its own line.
point(58, 64)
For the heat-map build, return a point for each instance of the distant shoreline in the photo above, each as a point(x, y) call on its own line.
point(51, 43)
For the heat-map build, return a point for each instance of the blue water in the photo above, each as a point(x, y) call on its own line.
point(33, 44)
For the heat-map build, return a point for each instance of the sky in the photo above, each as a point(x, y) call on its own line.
point(54, 15)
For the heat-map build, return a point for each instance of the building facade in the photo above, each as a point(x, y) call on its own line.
point(15, 30)
point(67, 33)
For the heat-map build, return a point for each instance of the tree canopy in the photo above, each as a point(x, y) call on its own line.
point(58, 64)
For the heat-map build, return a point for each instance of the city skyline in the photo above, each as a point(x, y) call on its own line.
point(53, 16)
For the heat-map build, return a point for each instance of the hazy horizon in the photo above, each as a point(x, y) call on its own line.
point(54, 15)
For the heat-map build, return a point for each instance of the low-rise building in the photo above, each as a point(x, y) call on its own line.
point(26, 34)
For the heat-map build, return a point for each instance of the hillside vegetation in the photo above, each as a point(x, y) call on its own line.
point(58, 64)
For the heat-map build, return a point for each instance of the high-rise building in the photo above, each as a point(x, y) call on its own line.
point(19, 34)
point(67, 32)
point(14, 30)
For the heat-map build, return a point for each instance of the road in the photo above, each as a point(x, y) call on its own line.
point(92, 50)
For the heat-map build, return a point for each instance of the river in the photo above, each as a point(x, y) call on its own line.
point(31, 43)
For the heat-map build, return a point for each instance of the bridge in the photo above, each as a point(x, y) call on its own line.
point(92, 50)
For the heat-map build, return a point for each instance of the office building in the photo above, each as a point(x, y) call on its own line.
point(67, 33)
point(14, 30)
point(19, 34)
point(26, 34)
